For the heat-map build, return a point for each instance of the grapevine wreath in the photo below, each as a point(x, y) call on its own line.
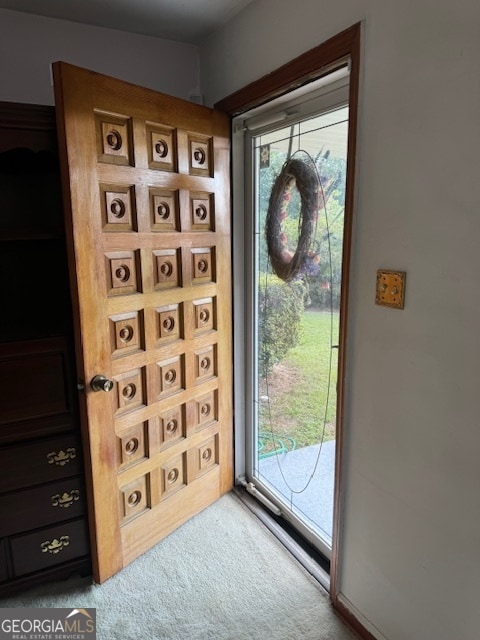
point(287, 264)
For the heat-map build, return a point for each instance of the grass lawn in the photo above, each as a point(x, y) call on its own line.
point(301, 398)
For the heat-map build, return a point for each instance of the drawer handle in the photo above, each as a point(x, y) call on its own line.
point(66, 499)
point(61, 458)
point(55, 545)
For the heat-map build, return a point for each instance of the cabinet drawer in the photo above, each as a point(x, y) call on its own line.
point(48, 547)
point(39, 461)
point(43, 505)
point(34, 374)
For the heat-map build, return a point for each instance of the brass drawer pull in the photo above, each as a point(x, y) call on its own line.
point(66, 499)
point(55, 545)
point(61, 458)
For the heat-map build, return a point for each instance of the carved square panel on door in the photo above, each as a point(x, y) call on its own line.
point(118, 208)
point(205, 363)
point(130, 391)
point(170, 376)
point(134, 498)
point(203, 458)
point(164, 210)
point(162, 147)
point(132, 446)
point(167, 268)
point(172, 426)
point(202, 211)
point(206, 410)
point(173, 476)
point(114, 138)
point(169, 323)
point(203, 265)
point(205, 317)
point(200, 155)
point(126, 333)
point(122, 271)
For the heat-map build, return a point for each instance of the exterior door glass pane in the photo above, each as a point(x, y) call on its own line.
point(296, 321)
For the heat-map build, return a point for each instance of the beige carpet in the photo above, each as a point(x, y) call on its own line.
point(221, 576)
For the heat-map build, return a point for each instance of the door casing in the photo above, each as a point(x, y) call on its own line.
point(343, 48)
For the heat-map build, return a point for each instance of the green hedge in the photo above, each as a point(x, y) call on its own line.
point(280, 308)
point(323, 293)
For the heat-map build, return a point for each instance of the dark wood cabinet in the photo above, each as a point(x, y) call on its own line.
point(43, 513)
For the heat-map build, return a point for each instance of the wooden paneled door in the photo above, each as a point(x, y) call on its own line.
point(146, 180)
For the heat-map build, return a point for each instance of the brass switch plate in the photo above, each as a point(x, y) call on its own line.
point(391, 289)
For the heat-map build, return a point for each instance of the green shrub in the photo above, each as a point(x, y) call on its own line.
point(280, 309)
point(324, 294)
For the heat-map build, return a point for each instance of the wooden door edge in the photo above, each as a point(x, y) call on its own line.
point(101, 570)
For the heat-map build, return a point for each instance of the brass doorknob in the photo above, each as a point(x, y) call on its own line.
point(101, 383)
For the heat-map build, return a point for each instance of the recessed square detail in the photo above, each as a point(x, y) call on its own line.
point(134, 498)
point(126, 333)
point(203, 458)
point(205, 364)
point(391, 289)
point(206, 411)
point(121, 270)
point(164, 210)
point(200, 155)
point(172, 426)
point(114, 138)
point(203, 267)
point(173, 476)
point(129, 389)
point(132, 446)
point(201, 212)
point(162, 147)
point(169, 323)
point(207, 454)
point(166, 268)
point(171, 378)
point(204, 315)
point(118, 208)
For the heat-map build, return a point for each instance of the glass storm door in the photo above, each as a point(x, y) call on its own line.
point(298, 170)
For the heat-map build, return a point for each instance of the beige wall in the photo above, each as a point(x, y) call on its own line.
point(411, 519)
point(29, 44)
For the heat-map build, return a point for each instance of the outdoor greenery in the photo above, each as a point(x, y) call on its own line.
point(280, 309)
point(324, 288)
point(298, 397)
point(328, 238)
point(298, 322)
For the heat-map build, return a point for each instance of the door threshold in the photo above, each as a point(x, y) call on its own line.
point(310, 559)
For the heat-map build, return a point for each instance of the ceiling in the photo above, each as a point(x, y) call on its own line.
point(181, 20)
